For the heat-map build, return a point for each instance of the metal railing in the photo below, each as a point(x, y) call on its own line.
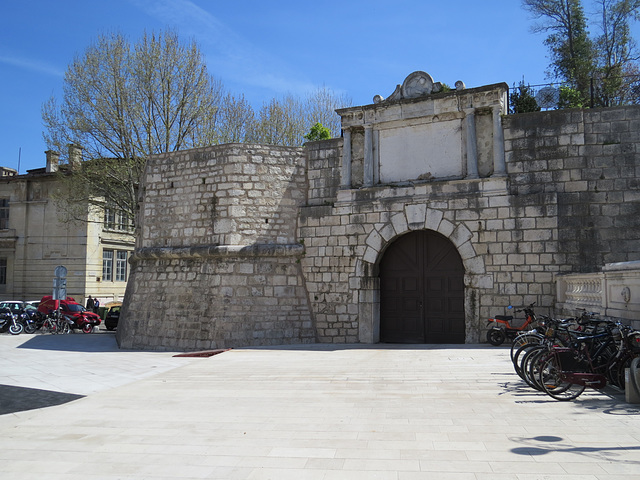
point(617, 91)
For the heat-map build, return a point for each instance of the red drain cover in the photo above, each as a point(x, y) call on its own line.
point(205, 353)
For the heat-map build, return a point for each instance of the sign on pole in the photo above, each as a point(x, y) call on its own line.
point(60, 283)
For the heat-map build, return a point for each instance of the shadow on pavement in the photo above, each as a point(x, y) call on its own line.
point(331, 347)
point(19, 399)
point(544, 445)
point(74, 342)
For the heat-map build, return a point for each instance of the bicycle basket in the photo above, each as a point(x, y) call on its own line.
point(569, 362)
point(550, 332)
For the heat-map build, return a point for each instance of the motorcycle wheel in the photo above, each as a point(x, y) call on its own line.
point(30, 327)
point(16, 329)
point(496, 336)
point(87, 328)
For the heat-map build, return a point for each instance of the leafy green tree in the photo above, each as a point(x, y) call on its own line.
point(522, 99)
point(571, 98)
point(318, 132)
point(599, 71)
point(572, 51)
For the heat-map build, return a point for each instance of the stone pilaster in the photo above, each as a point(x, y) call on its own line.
point(472, 150)
point(499, 163)
point(345, 179)
point(368, 155)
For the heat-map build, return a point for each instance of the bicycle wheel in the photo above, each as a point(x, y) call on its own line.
point(554, 383)
point(517, 358)
point(524, 339)
point(616, 371)
point(529, 367)
point(533, 365)
point(46, 326)
point(496, 336)
point(63, 326)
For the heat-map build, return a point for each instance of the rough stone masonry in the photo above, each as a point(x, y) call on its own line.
point(246, 245)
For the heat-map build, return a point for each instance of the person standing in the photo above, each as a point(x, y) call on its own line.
point(96, 305)
point(90, 304)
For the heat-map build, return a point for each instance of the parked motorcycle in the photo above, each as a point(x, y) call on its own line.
point(31, 319)
point(82, 322)
point(9, 321)
point(501, 327)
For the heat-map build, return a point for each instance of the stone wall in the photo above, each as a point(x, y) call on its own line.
point(217, 263)
point(224, 195)
point(256, 245)
point(569, 203)
point(588, 159)
point(217, 297)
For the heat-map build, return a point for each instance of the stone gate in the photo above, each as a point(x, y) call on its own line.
point(242, 245)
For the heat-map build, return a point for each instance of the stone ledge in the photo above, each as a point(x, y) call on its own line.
point(210, 251)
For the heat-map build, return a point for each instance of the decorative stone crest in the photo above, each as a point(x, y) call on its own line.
point(417, 84)
point(626, 294)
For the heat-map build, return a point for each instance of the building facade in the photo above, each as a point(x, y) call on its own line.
point(433, 212)
point(35, 238)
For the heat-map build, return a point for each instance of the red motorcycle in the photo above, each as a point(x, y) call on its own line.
point(501, 327)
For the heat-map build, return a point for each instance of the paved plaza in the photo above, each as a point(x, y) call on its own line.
point(76, 407)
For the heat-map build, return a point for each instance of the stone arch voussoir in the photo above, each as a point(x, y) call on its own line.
point(421, 217)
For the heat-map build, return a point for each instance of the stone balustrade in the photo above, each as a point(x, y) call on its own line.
point(614, 292)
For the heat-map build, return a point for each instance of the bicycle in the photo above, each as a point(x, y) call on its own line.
point(565, 371)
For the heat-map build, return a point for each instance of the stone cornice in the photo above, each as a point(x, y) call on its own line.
point(212, 251)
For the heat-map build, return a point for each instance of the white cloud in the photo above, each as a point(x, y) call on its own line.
point(229, 54)
point(33, 65)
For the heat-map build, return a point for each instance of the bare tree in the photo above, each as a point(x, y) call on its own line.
point(237, 120)
point(616, 52)
point(288, 120)
point(321, 106)
point(124, 102)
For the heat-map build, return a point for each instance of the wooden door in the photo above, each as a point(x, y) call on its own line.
point(422, 291)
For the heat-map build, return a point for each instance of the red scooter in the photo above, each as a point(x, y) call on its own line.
point(501, 327)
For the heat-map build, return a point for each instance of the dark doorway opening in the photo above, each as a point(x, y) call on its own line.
point(422, 290)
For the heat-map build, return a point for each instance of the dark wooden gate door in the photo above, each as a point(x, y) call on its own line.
point(422, 290)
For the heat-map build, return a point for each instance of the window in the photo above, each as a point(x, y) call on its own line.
point(122, 220)
point(107, 265)
point(116, 219)
point(4, 213)
point(109, 218)
point(121, 266)
point(3, 271)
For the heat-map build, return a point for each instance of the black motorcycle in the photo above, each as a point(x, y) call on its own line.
point(9, 321)
point(31, 319)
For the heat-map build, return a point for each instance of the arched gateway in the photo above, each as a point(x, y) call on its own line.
point(422, 290)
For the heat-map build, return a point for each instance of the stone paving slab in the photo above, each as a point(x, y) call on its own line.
point(319, 412)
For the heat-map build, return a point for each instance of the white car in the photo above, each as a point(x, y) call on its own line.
point(16, 305)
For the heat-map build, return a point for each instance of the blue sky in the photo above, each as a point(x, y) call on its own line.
point(266, 49)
